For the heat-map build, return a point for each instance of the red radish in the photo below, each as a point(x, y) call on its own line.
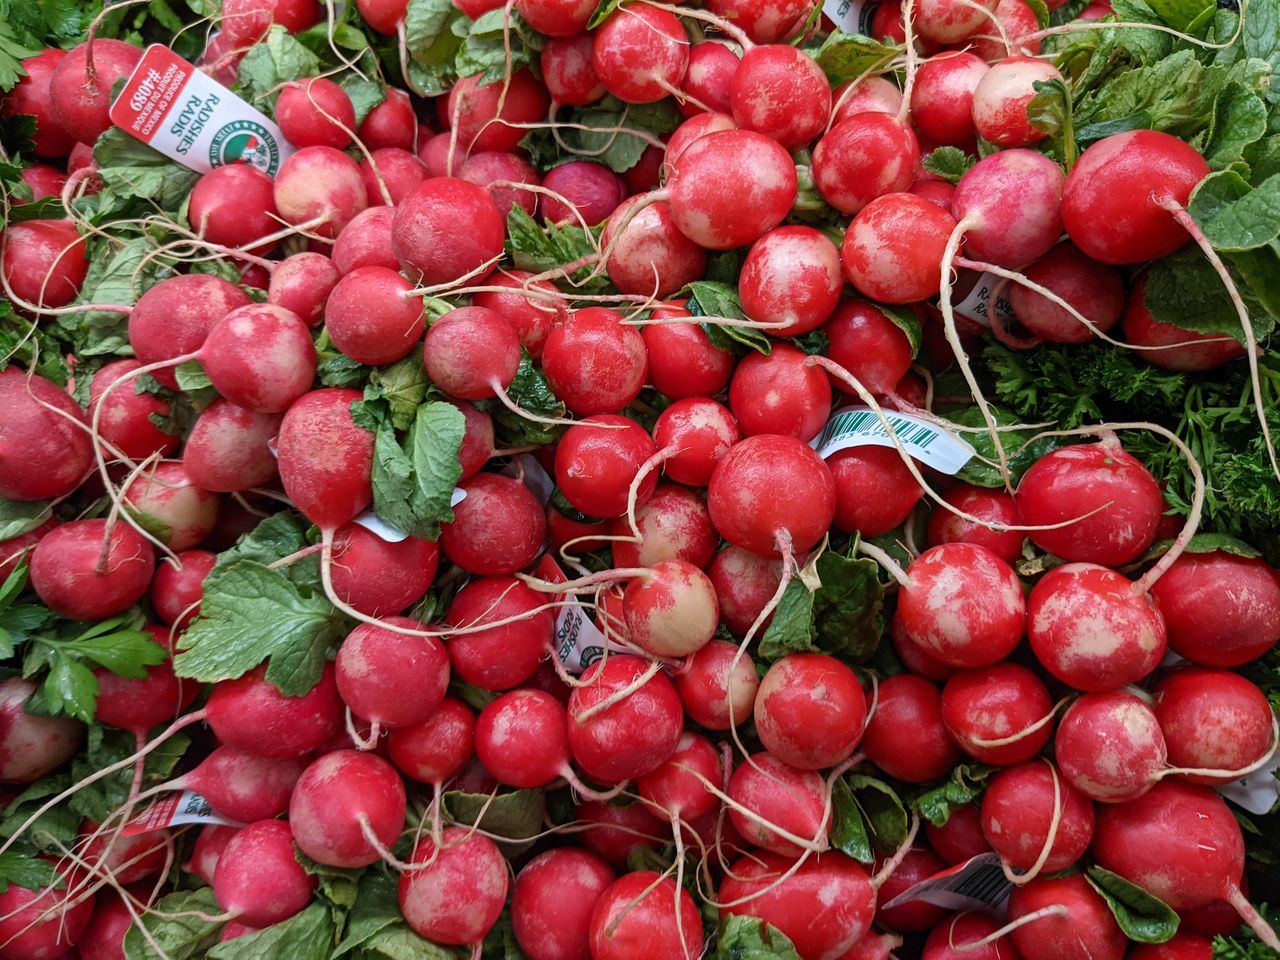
point(905, 736)
point(641, 53)
point(792, 277)
point(396, 169)
point(1071, 921)
point(937, 192)
point(875, 491)
point(1008, 203)
point(259, 357)
point(1001, 98)
point(1094, 290)
point(1157, 169)
point(342, 803)
point(228, 448)
point(750, 501)
point(1035, 820)
point(681, 789)
point(779, 807)
point(436, 749)
point(557, 18)
point(16, 549)
point(165, 496)
point(778, 90)
point(176, 589)
point(438, 156)
point(942, 97)
point(242, 785)
point(138, 704)
point(391, 679)
point(234, 206)
point(915, 657)
point(647, 253)
point(869, 345)
point(948, 939)
point(477, 442)
point(578, 535)
point(1221, 610)
point(126, 421)
point(810, 711)
point(503, 656)
point(471, 353)
point(864, 156)
point(592, 192)
point(999, 714)
point(1069, 482)
point(948, 21)
point(673, 611)
point(44, 180)
point(91, 569)
point(532, 317)
point(1007, 33)
point(893, 247)
point(32, 97)
point(824, 907)
point(918, 864)
point(1183, 946)
point(81, 84)
point(960, 838)
point(673, 525)
point(1090, 629)
point(45, 923)
point(693, 435)
point(730, 188)
point(763, 21)
point(44, 441)
point(1180, 349)
point(646, 174)
point(614, 831)
point(744, 583)
point(103, 937)
point(963, 604)
point(645, 914)
point(325, 458)
point(494, 170)
point(43, 261)
point(461, 861)
point(32, 746)
point(598, 459)
point(620, 696)
point(594, 363)
point(125, 859)
point(1109, 746)
point(868, 94)
point(569, 72)
point(552, 901)
point(383, 16)
point(366, 242)
point(718, 687)
point(321, 188)
point(391, 123)
point(494, 116)
point(1213, 719)
point(259, 880)
point(251, 714)
point(708, 83)
point(247, 21)
point(694, 129)
point(175, 316)
point(379, 577)
point(522, 740)
point(315, 112)
point(780, 393)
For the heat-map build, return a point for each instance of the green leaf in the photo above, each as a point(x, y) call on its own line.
point(339, 370)
point(105, 746)
point(1235, 216)
point(401, 943)
point(178, 927)
point(23, 870)
point(713, 300)
point(70, 689)
point(278, 59)
point(514, 815)
point(983, 470)
point(1170, 95)
point(118, 274)
point(886, 817)
point(949, 163)
point(791, 629)
point(376, 909)
point(130, 169)
point(412, 484)
point(603, 11)
point(537, 248)
point(1181, 14)
point(846, 608)
point(531, 392)
point(57, 826)
point(12, 53)
point(1051, 111)
point(496, 42)
point(610, 135)
point(848, 829)
point(275, 538)
point(364, 94)
point(1041, 10)
point(1185, 290)
point(307, 935)
point(847, 56)
point(965, 785)
point(750, 938)
point(1142, 917)
point(124, 652)
point(432, 44)
point(22, 516)
point(1239, 119)
point(905, 319)
point(1214, 542)
point(404, 386)
point(249, 614)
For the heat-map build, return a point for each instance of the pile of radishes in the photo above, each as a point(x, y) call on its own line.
point(462, 541)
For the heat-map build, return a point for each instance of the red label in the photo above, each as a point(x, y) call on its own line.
point(150, 91)
point(156, 817)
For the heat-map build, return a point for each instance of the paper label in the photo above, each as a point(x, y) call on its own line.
point(851, 16)
point(976, 884)
point(1258, 792)
point(385, 531)
point(977, 305)
point(579, 642)
point(191, 118)
point(174, 810)
point(859, 426)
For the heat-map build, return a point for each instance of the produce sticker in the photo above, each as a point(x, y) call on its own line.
point(859, 426)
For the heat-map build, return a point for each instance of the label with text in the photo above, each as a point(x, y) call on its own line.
point(859, 426)
point(579, 642)
point(977, 305)
point(174, 810)
point(851, 16)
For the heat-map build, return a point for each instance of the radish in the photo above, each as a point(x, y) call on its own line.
point(1221, 610)
point(960, 838)
point(378, 577)
point(779, 90)
point(251, 714)
point(1213, 719)
point(124, 859)
point(391, 679)
point(1180, 349)
point(892, 248)
point(875, 491)
point(391, 124)
point(326, 459)
point(824, 907)
point(1093, 289)
point(91, 569)
point(126, 421)
point(995, 227)
point(763, 21)
point(384, 16)
point(81, 84)
point(673, 525)
point(436, 749)
point(321, 189)
point(645, 914)
point(552, 901)
point(103, 937)
point(646, 251)
point(259, 880)
point(242, 785)
point(1063, 919)
point(589, 190)
point(994, 506)
point(462, 862)
point(259, 357)
point(247, 21)
point(138, 704)
point(472, 353)
point(791, 277)
point(867, 94)
point(502, 656)
point(948, 21)
point(31, 746)
point(175, 316)
point(917, 865)
point(45, 923)
point(613, 832)
point(557, 18)
point(621, 696)
point(477, 441)
point(229, 448)
point(672, 610)
point(708, 83)
point(366, 242)
point(522, 740)
point(33, 98)
point(780, 393)
point(905, 735)
point(915, 657)
point(693, 435)
point(999, 714)
point(810, 711)
point(498, 529)
point(43, 262)
point(44, 441)
point(1090, 628)
point(44, 180)
point(594, 363)
point(1001, 97)
point(641, 53)
point(942, 95)
point(1035, 820)
point(234, 206)
point(681, 790)
point(1183, 946)
point(864, 156)
point(1014, 29)
point(718, 686)
point(598, 460)
point(778, 807)
point(15, 550)
point(1108, 502)
point(347, 809)
point(695, 128)
point(315, 112)
point(501, 174)
point(744, 583)
point(870, 346)
point(948, 940)
point(1110, 747)
point(533, 316)
point(165, 494)
point(493, 116)
point(569, 72)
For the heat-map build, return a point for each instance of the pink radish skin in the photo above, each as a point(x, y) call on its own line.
point(175, 316)
point(234, 206)
point(1110, 747)
point(875, 492)
point(996, 703)
point(810, 711)
point(228, 448)
point(391, 123)
point(315, 112)
point(778, 90)
point(569, 72)
point(636, 915)
point(1221, 610)
point(592, 190)
point(1017, 812)
point(824, 907)
point(505, 656)
point(677, 790)
point(781, 393)
point(498, 529)
point(1094, 289)
point(718, 693)
point(429, 896)
point(672, 613)
point(44, 453)
point(763, 21)
point(593, 363)
point(391, 679)
point(683, 363)
point(247, 21)
point(557, 18)
point(86, 570)
point(946, 939)
point(251, 714)
point(139, 705)
point(791, 276)
point(869, 345)
point(44, 261)
point(871, 94)
point(366, 242)
point(864, 156)
point(379, 577)
point(1182, 349)
point(1071, 481)
point(598, 459)
point(708, 83)
point(32, 97)
point(175, 589)
point(960, 838)
point(336, 797)
point(1183, 946)
point(1213, 719)
point(426, 237)
point(260, 357)
point(1014, 22)
point(320, 183)
point(80, 85)
point(485, 168)
point(126, 416)
point(242, 785)
point(531, 317)
point(942, 98)
point(522, 739)
point(477, 442)
point(258, 878)
point(674, 525)
point(471, 353)
point(210, 842)
point(326, 460)
point(730, 188)
point(905, 736)
point(436, 749)
point(744, 583)
point(1090, 630)
point(1085, 930)
point(103, 937)
point(487, 116)
point(991, 505)
point(302, 283)
point(782, 796)
point(694, 129)
point(552, 901)
point(696, 432)
point(1001, 98)
point(1010, 201)
point(30, 746)
point(650, 716)
point(641, 53)
point(948, 21)
point(648, 254)
point(893, 247)
point(915, 657)
point(46, 923)
point(126, 859)
point(167, 494)
point(613, 832)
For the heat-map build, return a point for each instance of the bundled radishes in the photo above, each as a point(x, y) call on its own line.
point(595, 481)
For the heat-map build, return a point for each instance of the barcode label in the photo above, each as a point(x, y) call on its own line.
point(174, 810)
point(977, 305)
point(1259, 791)
point(861, 426)
point(851, 16)
point(976, 884)
point(579, 642)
